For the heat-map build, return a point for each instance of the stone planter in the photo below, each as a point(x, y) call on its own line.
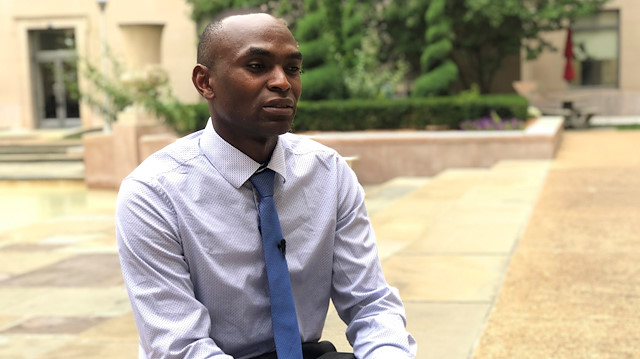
point(383, 155)
point(110, 157)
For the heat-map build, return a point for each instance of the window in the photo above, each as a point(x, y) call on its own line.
point(54, 71)
point(596, 50)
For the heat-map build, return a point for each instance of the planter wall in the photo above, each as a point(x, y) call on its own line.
point(383, 155)
point(110, 157)
point(375, 156)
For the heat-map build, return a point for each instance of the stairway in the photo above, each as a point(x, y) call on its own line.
point(41, 159)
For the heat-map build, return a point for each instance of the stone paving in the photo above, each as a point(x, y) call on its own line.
point(445, 242)
point(572, 289)
point(446, 246)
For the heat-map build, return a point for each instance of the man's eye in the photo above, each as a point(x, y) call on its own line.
point(295, 70)
point(256, 67)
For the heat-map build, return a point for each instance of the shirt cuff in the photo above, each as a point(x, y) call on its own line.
point(389, 352)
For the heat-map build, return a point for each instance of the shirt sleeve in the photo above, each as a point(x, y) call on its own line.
point(171, 322)
point(372, 310)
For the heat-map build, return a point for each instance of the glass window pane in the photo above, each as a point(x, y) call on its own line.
point(596, 44)
point(49, 91)
point(595, 47)
point(601, 19)
point(71, 90)
point(57, 40)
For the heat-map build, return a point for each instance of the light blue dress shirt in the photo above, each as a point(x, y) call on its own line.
point(191, 253)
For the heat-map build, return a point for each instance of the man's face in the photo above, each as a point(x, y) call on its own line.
point(255, 79)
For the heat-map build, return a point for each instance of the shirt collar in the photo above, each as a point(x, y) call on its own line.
point(234, 166)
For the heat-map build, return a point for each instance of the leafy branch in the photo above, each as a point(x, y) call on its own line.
point(148, 88)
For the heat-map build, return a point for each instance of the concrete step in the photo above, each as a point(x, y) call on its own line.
point(39, 147)
point(40, 157)
point(50, 170)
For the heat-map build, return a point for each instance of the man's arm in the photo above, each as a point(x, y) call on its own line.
point(170, 321)
point(371, 308)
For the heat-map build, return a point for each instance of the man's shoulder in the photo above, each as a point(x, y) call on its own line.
point(305, 145)
point(170, 158)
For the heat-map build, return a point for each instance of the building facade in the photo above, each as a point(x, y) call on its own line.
point(606, 55)
point(46, 42)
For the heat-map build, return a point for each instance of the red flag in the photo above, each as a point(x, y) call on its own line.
point(569, 73)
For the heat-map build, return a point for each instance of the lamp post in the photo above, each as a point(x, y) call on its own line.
point(103, 39)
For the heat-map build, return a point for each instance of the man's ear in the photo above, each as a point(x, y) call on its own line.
point(200, 78)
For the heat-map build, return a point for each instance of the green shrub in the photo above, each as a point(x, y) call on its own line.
point(311, 25)
point(315, 52)
point(201, 111)
point(362, 114)
point(322, 83)
point(633, 126)
point(435, 81)
point(412, 113)
point(435, 53)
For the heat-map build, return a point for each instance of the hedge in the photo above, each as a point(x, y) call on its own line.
point(410, 113)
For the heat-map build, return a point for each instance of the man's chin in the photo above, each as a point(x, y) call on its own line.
point(280, 125)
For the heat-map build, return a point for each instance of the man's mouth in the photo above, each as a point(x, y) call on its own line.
point(280, 106)
point(279, 103)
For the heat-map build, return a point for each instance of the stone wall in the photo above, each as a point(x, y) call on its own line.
point(375, 156)
point(383, 155)
point(110, 157)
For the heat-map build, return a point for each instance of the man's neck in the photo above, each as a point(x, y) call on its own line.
point(258, 149)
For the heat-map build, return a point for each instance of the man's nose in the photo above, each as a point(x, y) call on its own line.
point(279, 80)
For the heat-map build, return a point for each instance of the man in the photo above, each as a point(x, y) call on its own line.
point(191, 223)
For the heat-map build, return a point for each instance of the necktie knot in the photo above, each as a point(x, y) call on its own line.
point(263, 182)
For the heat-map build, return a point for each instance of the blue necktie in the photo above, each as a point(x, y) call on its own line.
point(283, 310)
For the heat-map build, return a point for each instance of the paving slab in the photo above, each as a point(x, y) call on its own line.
point(88, 270)
point(7, 321)
point(31, 346)
point(47, 301)
point(81, 348)
point(121, 327)
point(468, 236)
point(454, 278)
point(53, 325)
point(14, 263)
point(451, 328)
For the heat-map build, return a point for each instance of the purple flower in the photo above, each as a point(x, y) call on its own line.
point(493, 122)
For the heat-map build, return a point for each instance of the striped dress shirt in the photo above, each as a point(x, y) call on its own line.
point(192, 262)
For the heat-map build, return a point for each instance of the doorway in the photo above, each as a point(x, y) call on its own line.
point(55, 78)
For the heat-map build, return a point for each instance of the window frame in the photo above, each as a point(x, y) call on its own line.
point(616, 27)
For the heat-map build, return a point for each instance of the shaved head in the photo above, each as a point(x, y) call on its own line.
point(214, 33)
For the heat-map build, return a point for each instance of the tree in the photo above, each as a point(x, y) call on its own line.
point(317, 31)
point(403, 27)
point(489, 31)
point(486, 31)
point(203, 11)
point(439, 72)
point(338, 38)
